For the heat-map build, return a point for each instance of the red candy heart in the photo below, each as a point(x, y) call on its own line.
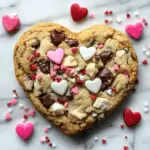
point(135, 31)
point(78, 12)
point(131, 118)
point(25, 130)
point(10, 23)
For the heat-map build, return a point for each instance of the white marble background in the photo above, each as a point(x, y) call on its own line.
point(35, 11)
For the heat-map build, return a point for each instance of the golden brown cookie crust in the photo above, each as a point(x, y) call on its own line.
point(110, 38)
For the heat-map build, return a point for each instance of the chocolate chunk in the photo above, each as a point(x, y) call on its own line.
point(46, 100)
point(44, 66)
point(72, 43)
point(57, 37)
point(104, 56)
point(36, 44)
point(106, 77)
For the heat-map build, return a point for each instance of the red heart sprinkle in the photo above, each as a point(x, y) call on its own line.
point(144, 62)
point(106, 12)
point(80, 82)
point(122, 126)
point(92, 96)
point(77, 12)
point(128, 15)
point(104, 141)
point(9, 104)
point(110, 12)
point(33, 67)
point(125, 147)
point(106, 21)
point(74, 49)
point(33, 76)
point(131, 118)
point(58, 79)
point(36, 54)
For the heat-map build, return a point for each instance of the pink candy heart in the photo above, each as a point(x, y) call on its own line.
point(75, 90)
point(10, 23)
point(135, 31)
point(56, 56)
point(25, 130)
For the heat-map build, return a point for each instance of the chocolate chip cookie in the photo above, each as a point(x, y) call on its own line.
point(74, 79)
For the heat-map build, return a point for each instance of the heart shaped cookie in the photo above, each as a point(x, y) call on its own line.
point(68, 81)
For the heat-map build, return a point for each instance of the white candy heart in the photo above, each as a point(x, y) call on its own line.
point(87, 53)
point(59, 87)
point(93, 86)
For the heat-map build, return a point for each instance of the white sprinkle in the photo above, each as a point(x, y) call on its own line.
point(94, 114)
point(147, 53)
point(81, 77)
point(65, 76)
point(144, 50)
point(23, 120)
point(109, 92)
point(110, 20)
point(146, 104)
point(13, 14)
point(49, 126)
point(14, 96)
point(54, 145)
point(146, 110)
point(119, 20)
point(73, 80)
point(21, 105)
point(136, 14)
point(10, 110)
point(96, 138)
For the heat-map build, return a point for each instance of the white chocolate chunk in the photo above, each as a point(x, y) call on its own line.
point(56, 106)
point(59, 87)
point(101, 103)
point(87, 53)
point(70, 61)
point(91, 69)
point(120, 53)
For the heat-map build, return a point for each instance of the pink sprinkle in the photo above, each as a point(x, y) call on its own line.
point(46, 130)
point(68, 70)
point(43, 140)
point(116, 67)
point(30, 58)
point(91, 15)
point(75, 90)
point(13, 101)
point(53, 73)
point(66, 104)
point(8, 116)
point(38, 77)
point(100, 46)
point(26, 108)
point(143, 20)
point(32, 113)
point(56, 67)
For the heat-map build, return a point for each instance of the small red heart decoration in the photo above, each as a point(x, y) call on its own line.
point(135, 31)
point(77, 12)
point(25, 130)
point(10, 23)
point(131, 118)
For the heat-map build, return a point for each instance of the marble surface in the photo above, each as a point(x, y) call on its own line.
point(35, 11)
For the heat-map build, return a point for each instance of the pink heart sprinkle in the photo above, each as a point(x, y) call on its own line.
point(92, 15)
point(135, 31)
point(68, 70)
point(8, 116)
point(46, 130)
point(26, 108)
point(38, 77)
point(13, 101)
point(25, 130)
point(100, 46)
point(53, 73)
point(116, 67)
point(32, 113)
point(10, 23)
point(75, 90)
point(56, 56)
